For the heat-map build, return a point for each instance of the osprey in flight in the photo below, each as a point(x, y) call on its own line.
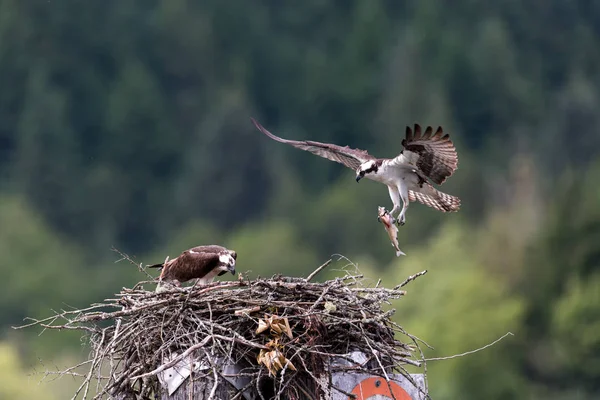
point(203, 263)
point(426, 157)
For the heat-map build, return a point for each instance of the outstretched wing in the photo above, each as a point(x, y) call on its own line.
point(432, 153)
point(351, 158)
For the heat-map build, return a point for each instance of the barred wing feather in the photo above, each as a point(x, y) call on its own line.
point(433, 154)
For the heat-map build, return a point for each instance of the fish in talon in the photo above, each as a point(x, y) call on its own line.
point(392, 230)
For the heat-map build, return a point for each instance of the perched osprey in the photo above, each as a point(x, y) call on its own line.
point(426, 156)
point(201, 262)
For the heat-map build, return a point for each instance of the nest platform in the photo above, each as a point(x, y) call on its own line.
point(286, 335)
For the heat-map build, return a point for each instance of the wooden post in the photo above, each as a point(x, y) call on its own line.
point(362, 385)
point(200, 388)
point(200, 384)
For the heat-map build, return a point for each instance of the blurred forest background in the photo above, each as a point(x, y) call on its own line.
point(126, 124)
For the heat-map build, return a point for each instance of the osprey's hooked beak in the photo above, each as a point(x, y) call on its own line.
point(231, 269)
point(359, 176)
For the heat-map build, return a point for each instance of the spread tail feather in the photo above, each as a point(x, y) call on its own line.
point(160, 265)
point(433, 198)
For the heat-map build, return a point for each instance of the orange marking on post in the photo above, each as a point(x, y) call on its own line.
point(378, 386)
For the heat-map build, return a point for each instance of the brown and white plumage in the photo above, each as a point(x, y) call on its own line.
point(427, 156)
point(201, 262)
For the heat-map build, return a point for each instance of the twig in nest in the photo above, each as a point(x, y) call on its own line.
point(471, 351)
point(127, 258)
point(410, 279)
point(316, 271)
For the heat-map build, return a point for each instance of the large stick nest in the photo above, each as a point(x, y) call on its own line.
point(287, 330)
